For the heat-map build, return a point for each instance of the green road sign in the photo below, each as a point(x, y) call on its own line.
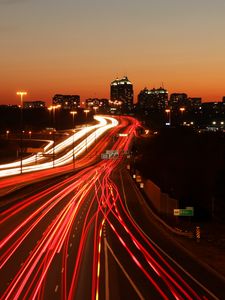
point(184, 212)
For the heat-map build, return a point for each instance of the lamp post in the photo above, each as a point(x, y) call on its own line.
point(182, 109)
point(86, 111)
point(168, 112)
point(95, 109)
point(7, 134)
point(21, 94)
point(73, 113)
point(53, 108)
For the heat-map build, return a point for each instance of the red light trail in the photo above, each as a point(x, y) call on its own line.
point(62, 228)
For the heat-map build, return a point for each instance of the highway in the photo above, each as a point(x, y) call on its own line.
point(35, 162)
point(62, 164)
point(89, 236)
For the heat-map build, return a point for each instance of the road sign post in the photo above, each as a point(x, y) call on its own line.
point(104, 156)
point(184, 212)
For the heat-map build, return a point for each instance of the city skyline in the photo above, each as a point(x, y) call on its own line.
point(79, 48)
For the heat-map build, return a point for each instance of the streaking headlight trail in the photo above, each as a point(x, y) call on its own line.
point(105, 123)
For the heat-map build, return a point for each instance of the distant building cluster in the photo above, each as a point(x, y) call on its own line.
point(67, 101)
point(98, 105)
point(152, 104)
point(33, 104)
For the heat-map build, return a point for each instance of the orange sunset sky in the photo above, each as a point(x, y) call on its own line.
point(79, 47)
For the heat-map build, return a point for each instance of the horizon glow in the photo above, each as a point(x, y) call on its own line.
point(79, 47)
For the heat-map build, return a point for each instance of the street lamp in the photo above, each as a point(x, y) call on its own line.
point(86, 111)
point(95, 109)
point(182, 110)
point(7, 134)
point(73, 113)
point(53, 108)
point(168, 112)
point(21, 94)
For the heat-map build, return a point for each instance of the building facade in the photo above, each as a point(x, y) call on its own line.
point(33, 104)
point(178, 100)
point(121, 92)
point(69, 102)
point(195, 102)
point(152, 100)
point(100, 105)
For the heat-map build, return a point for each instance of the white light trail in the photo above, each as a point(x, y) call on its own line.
point(67, 158)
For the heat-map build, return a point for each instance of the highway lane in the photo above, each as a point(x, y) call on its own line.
point(34, 226)
point(89, 134)
point(201, 279)
point(76, 239)
point(12, 183)
point(28, 234)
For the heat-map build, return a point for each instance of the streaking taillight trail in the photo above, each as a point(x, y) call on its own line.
point(70, 218)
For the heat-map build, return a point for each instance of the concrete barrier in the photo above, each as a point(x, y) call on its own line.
point(162, 202)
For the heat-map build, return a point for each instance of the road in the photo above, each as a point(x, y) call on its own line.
point(89, 236)
point(65, 163)
point(51, 152)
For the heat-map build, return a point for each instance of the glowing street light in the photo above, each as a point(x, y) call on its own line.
point(7, 134)
point(53, 108)
point(73, 113)
point(95, 108)
point(182, 110)
point(21, 94)
point(86, 111)
point(168, 112)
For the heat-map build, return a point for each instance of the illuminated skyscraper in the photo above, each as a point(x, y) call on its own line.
point(153, 100)
point(121, 91)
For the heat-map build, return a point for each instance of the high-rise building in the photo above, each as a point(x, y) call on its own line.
point(66, 101)
point(195, 102)
point(178, 100)
point(121, 91)
point(153, 100)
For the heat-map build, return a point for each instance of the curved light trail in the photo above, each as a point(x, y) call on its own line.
point(54, 239)
point(67, 158)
